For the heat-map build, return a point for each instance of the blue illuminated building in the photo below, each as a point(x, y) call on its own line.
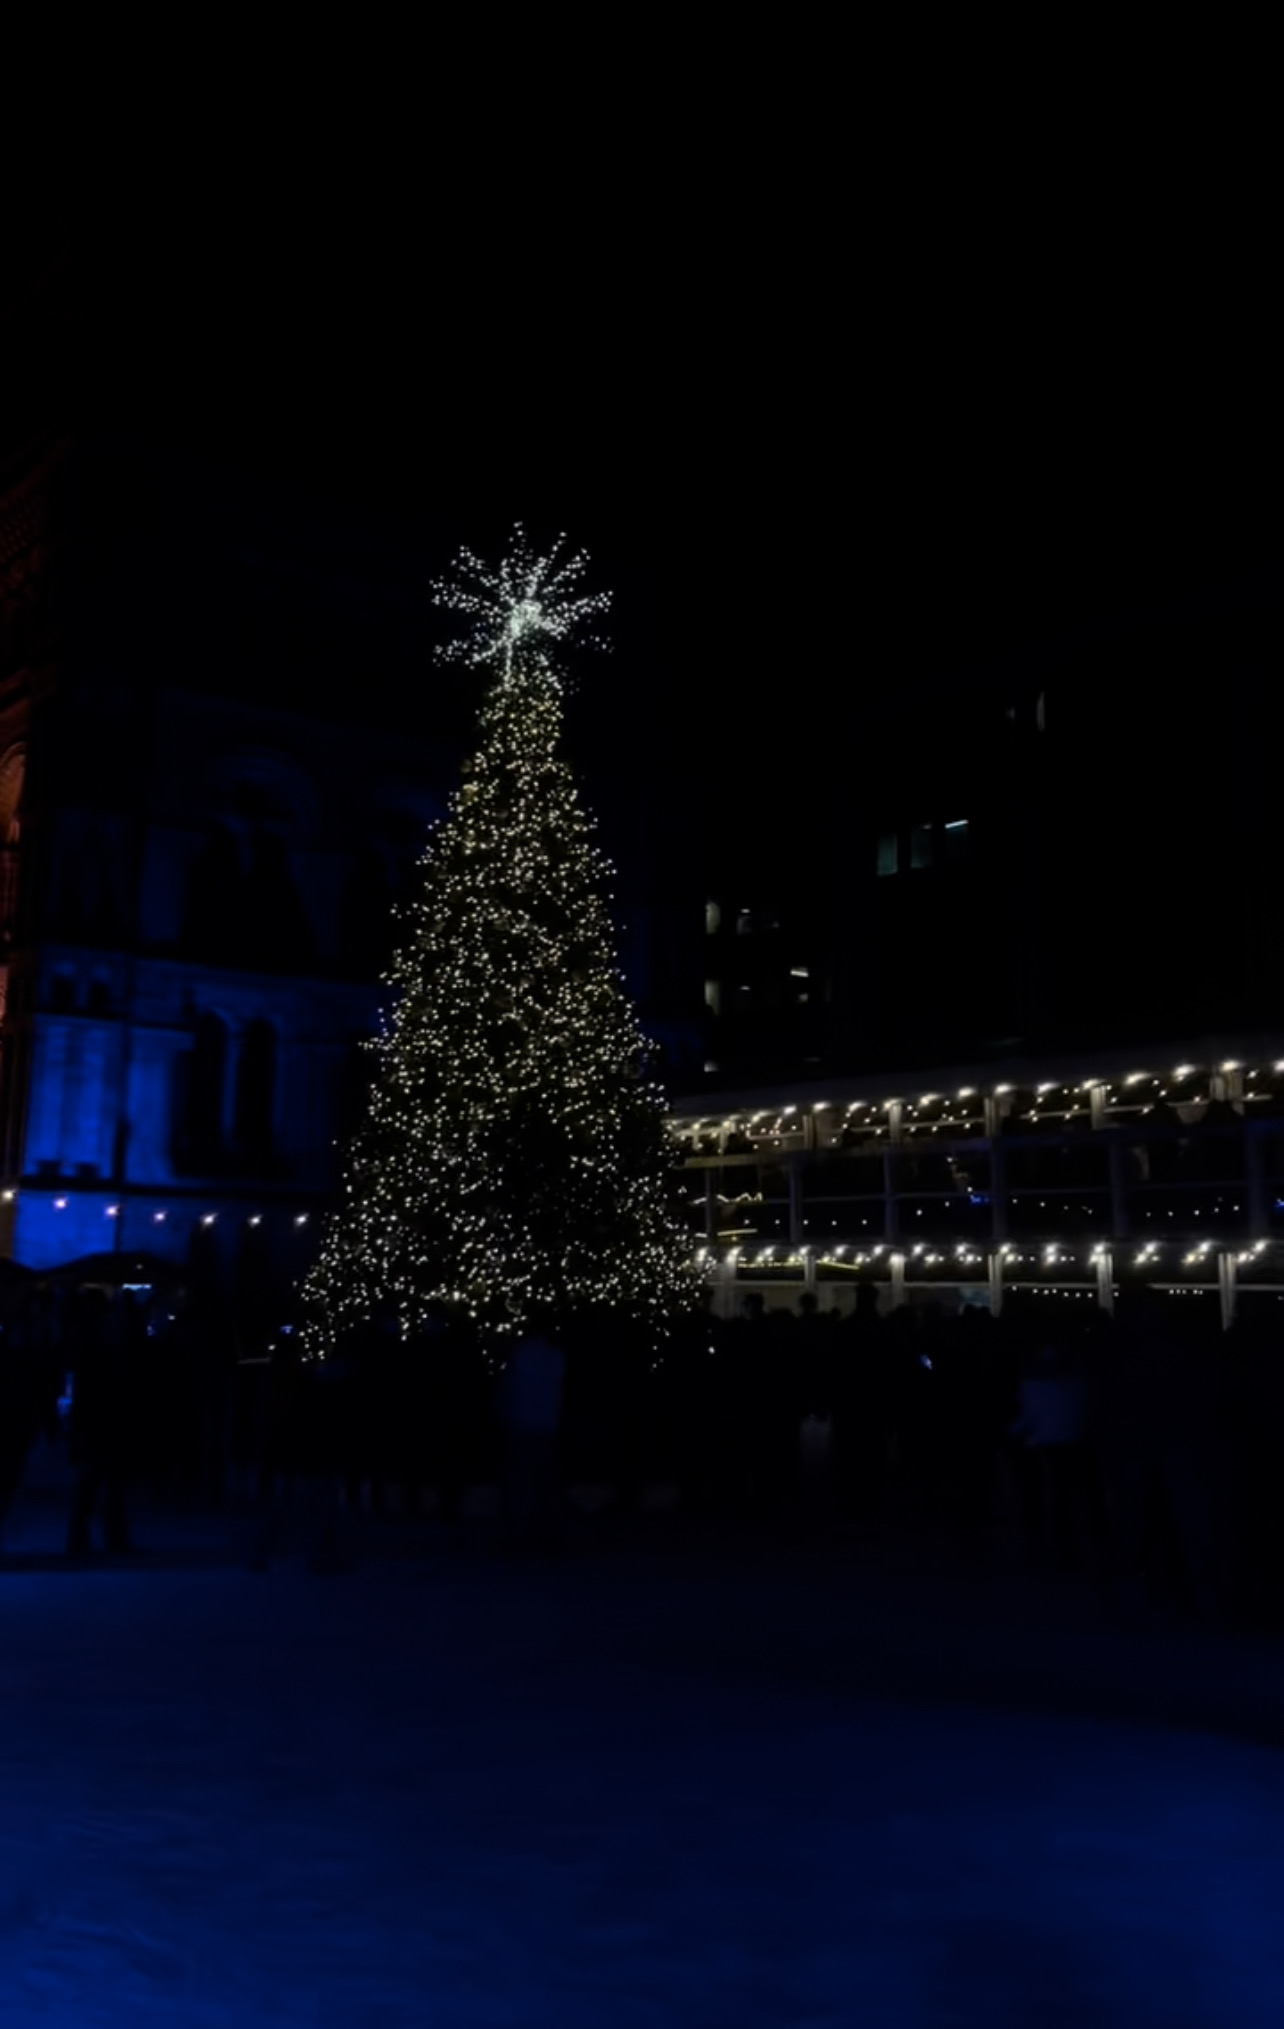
point(205, 827)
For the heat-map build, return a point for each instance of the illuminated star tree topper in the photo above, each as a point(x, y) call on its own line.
point(514, 608)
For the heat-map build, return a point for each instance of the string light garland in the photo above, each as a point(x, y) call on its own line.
point(514, 1151)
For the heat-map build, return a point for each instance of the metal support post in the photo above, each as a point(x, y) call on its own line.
point(795, 1202)
point(1226, 1286)
point(891, 1205)
point(998, 1194)
point(898, 1278)
point(995, 1267)
point(725, 1287)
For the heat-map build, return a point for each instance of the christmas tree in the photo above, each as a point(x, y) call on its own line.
point(514, 1151)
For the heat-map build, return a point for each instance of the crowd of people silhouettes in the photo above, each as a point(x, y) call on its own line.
point(1144, 1450)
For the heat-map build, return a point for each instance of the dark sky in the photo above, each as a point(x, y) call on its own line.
point(807, 452)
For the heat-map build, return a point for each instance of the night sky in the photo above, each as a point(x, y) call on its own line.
point(841, 455)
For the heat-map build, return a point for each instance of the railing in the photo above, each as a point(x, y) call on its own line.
point(1180, 1182)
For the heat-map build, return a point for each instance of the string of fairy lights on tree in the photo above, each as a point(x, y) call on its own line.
point(514, 1152)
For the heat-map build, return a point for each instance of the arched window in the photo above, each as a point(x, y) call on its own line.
point(200, 1078)
point(255, 1100)
point(209, 1067)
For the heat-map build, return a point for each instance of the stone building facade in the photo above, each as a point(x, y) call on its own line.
point(197, 890)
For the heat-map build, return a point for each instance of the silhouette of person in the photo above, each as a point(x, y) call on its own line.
point(106, 1413)
point(28, 1392)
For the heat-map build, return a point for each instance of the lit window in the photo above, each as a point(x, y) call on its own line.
point(713, 995)
point(712, 917)
point(887, 853)
point(956, 838)
point(921, 846)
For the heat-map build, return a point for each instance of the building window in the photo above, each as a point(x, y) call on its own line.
point(956, 839)
point(921, 846)
point(888, 854)
point(205, 1107)
point(255, 1095)
point(200, 1074)
point(713, 995)
point(712, 918)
